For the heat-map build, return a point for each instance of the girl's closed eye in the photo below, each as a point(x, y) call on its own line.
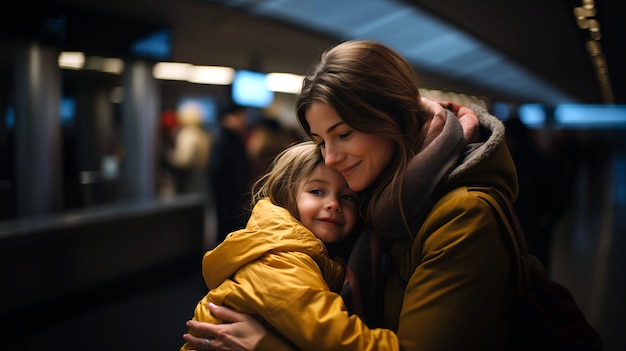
point(349, 197)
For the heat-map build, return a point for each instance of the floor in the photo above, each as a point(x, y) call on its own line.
point(589, 248)
point(147, 314)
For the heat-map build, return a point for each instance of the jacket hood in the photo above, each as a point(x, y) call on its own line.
point(489, 161)
point(445, 162)
point(270, 229)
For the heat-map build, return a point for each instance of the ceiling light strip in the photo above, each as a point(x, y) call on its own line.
point(585, 20)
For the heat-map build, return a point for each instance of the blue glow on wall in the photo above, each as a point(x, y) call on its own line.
point(67, 110)
point(155, 46)
point(590, 115)
point(9, 117)
point(532, 115)
point(502, 110)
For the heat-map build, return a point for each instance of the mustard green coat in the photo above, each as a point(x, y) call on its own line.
point(459, 282)
point(277, 270)
point(458, 262)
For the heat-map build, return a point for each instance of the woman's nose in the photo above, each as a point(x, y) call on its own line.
point(332, 156)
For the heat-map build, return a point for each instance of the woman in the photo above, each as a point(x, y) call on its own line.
point(442, 275)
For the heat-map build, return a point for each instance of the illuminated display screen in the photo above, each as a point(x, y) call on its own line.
point(249, 89)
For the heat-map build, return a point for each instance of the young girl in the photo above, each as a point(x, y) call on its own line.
point(278, 267)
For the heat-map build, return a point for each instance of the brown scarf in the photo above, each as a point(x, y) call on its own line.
point(424, 174)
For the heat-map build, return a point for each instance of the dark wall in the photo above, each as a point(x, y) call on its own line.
point(57, 274)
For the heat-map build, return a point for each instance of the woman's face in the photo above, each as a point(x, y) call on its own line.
point(359, 157)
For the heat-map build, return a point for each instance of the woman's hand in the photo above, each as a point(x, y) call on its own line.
point(240, 332)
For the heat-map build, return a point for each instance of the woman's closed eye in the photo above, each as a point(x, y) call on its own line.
point(319, 142)
point(339, 136)
point(344, 135)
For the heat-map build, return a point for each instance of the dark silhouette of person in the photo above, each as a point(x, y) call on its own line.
point(268, 138)
point(229, 171)
point(539, 204)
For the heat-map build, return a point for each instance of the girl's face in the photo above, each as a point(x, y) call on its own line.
point(359, 157)
point(326, 205)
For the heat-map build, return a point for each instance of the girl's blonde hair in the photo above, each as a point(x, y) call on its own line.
point(374, 90)
point(288, 170)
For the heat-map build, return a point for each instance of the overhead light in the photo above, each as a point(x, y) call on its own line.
point(72, 60)
point(211, 75)
point(112, 65)
point(171, 70)
point(284, 82)
point(586, 21)
point(581, 12)
point(102, 64)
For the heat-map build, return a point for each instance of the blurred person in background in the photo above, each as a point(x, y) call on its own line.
point(266, 140)
point(190, 152)
point(229, 170)
point(542, 185)
point(166, 178)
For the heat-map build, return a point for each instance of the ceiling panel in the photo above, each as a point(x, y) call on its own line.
point(527, 50)
point(425, 40)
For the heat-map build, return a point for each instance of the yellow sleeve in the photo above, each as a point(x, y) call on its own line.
point(273, 342)
point(287, 291)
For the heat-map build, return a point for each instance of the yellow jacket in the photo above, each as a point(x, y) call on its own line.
point(277, 270)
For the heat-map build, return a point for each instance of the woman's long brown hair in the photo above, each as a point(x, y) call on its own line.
point(374, 90)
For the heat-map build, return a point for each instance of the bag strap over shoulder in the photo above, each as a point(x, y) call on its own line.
point(549, 317)
point(504, 208)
